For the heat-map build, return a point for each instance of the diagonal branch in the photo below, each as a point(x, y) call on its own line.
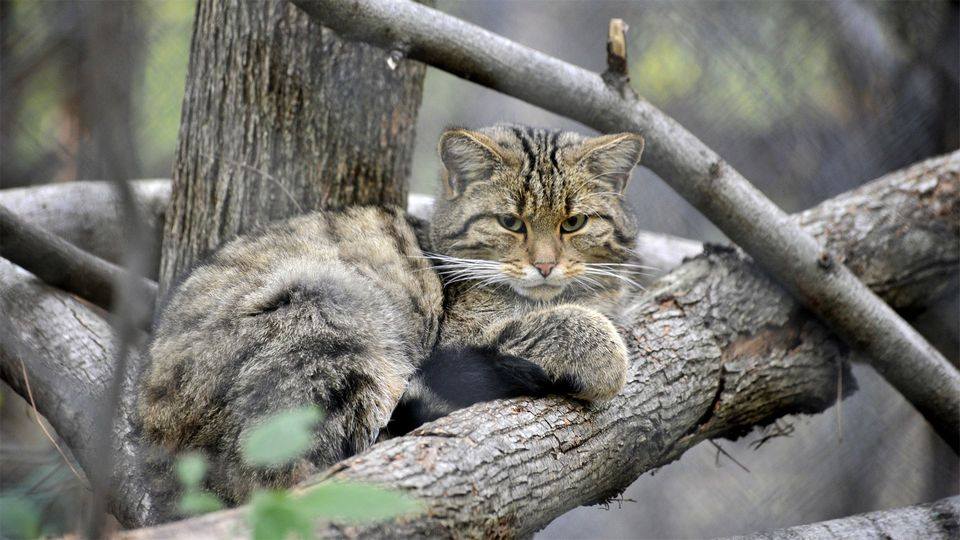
point(717, 348)
point(696, 172)
point(61, 264)
point(87, 213)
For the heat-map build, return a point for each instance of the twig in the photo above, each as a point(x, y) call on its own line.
point(131, 312)
point(695, 171)
point(36, 417)
point(617, 75)
point(839, 403)
point(939, 519)
point(64, 265)
point(720, 450)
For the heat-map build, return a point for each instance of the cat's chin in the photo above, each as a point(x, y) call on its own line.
point(541, 292)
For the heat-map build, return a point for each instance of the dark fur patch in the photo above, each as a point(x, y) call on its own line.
point(462, 376)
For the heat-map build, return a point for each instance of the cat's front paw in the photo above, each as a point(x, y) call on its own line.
point(577, 346)
point(600, 370)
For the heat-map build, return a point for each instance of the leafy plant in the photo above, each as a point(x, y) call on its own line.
point(19, 517)
point(275, 515)
point(281, 438)
point(191, 468)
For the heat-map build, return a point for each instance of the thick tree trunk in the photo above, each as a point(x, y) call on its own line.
point(281, 117)
point(938, 520)
point(716, 347)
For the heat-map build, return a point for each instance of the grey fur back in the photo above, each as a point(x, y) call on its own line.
point(335, 309)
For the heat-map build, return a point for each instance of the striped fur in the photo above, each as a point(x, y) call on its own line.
point(339, 309)
point(331, 309)
point(498, 299)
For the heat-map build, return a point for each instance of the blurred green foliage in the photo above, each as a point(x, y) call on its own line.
point(276, 514)
point(168, 52)
point(281, 438)
point(19, 517)
point(190, 469)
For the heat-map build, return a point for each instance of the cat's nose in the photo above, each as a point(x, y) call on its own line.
point(545, 268)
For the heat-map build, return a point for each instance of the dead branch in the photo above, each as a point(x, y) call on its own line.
point(87, 214)
point(938, 520)
point(61, 264)
point(778, 244)
point(717, 349)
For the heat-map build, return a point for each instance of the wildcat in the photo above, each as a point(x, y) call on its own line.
point(532, 240)
point(341, 309)
point(334, 309)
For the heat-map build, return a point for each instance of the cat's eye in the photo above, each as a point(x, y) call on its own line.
point(573, 223)
point(510, 222)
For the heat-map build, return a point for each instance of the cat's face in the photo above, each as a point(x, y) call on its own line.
point(539, 211)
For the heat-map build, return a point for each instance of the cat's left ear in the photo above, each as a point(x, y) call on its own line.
point(467, 156)
point(610, 158)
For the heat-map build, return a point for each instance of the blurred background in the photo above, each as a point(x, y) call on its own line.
point(806, 99)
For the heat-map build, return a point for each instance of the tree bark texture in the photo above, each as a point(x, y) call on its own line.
point(938, 520)
point(824, 285)
point(281, 117)
point(717, 348)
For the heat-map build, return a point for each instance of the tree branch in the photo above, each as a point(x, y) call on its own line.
point(696, 172)
point(87, 214)
point(717, 348)
point(61, 264)
point(938, 520)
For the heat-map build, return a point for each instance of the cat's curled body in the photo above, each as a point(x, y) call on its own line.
point(332, 309)
point(342, 309)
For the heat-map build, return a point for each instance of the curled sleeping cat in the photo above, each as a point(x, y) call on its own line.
point(529, 244)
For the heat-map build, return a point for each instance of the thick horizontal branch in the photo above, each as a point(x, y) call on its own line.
point(696, 172)
point(86, 215)
point(61, 264)
point(717, 348)
point(935, 521)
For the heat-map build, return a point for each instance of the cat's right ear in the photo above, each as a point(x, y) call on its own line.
point(467, 156)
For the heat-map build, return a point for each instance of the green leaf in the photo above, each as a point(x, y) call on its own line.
point(281, 438)
point(190, 470)
point(273, 515)
point(19, 517)
point(356, 502)
point(198, 502)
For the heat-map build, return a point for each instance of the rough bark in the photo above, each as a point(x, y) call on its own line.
point(61, 264)
point(68, 351)
point(754, 222)
point(717, 348)
point(281, 117)
point(938, 520)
